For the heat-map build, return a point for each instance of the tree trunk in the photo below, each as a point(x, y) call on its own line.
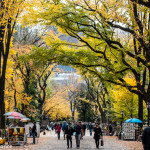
point(103, 115)
point(140, 108)
point(3, 64)
point(2, 103)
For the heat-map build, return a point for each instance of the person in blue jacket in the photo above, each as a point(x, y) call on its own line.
point(64, 127)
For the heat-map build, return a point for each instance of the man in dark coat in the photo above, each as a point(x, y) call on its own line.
point(97, 134)
point(69, 132)
point(146, 138)
point(34, 132)
point(78, 130)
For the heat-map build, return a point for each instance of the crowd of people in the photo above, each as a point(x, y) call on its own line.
point(79, 130)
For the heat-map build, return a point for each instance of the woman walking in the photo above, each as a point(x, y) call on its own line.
point(97, 134)
point(58, 129)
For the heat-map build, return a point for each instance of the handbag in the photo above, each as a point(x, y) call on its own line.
point(102, 142)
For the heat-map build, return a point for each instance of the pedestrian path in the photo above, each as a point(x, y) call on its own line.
point(88, 143)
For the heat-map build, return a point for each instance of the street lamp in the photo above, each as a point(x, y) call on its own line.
point(31, 116)
point(98, 118)
point(108, 117)
point(148, 107)
point(73, 110)
point(15, 108)
point(122, 112)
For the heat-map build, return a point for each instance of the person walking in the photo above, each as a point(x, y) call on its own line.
point(110, 128)
point(69, 132)
point(78, 131)
point(64, 126)
point(81, 125)
point(90, 128)
point(146, 138)
point(55, 127)
point(30, 131)
point(34, 132)
point(84, 129)
point(97, 134)
point(58, 130)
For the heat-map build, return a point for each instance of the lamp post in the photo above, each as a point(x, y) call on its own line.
point(148, 107)
point(122, 119)
point(108, 117)
point(15, 108)
point(73, 110)
point(31, 116)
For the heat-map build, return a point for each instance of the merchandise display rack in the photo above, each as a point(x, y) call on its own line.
point(129, 131)
point(16, 136)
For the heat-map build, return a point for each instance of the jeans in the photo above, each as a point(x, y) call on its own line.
point(33, 134)
point(91, 132)
point(69, 138)
point(58, 135)
point(78, 140)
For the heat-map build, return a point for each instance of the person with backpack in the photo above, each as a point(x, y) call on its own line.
point(69, 132)
point(90, 128)
point(64, 126)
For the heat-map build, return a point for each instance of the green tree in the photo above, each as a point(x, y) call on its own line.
point(95, 25)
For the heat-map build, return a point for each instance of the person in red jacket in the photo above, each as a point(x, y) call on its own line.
point(58, 130)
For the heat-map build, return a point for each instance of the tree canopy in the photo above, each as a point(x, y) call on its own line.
point(106, 41)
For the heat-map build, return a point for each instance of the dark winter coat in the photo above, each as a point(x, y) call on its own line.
point(97, 132)
point(69, 131)
point(78, 129)
point(146, 138)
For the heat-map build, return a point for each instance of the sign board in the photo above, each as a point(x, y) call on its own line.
point(45, 123)
point(129, 131)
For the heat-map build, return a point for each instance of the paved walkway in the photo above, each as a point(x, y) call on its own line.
point(52, 143)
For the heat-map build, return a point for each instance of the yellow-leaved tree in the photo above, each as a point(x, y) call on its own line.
point(9, 14)
point(124, 100)
point(58, 106)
